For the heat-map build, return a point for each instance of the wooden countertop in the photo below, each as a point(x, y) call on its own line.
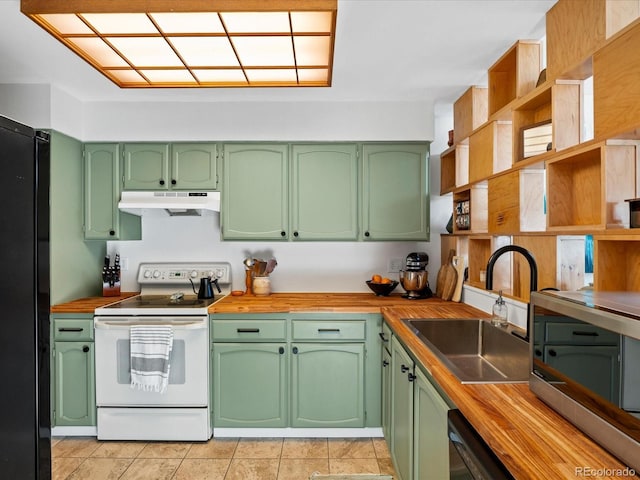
point(88, 304)
point(313, 302)
point(532, 440)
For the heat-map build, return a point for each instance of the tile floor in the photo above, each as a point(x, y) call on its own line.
point(77, 458)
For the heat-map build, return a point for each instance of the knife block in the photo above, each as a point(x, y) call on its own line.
point(111, 290)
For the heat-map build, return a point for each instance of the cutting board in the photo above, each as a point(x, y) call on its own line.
point(458, 264)
point(449, 277)
point(441, 276)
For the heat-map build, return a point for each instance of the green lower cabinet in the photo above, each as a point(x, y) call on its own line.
point(418, 435)
point(250, 384)
point(74, 399)
point(386, 394)
point(402, 411)
point(327, 385)
point(430, 440)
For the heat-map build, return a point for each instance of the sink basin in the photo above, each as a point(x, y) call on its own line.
point(474, 350)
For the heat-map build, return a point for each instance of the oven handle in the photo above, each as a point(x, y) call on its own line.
point(178, 324)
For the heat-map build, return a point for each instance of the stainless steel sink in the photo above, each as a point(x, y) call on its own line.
point(474, 350)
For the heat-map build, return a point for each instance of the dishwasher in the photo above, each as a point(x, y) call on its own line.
point(470, 458)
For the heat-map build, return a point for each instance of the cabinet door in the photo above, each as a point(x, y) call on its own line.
point(395, 196)
point(74, 384)
point(101, 191)
point(324, 203)
point(386, 394)
point(193, 166)
point(401, 411)
point(430, 439)
point(102, 219)
point(255, 193)
point(596, 367)
point(249, 385)
point(327, 385)
point(146, 166)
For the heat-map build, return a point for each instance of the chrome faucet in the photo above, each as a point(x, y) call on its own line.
point(533, 283)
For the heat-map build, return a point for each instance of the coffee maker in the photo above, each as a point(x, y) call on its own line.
point(414, 278)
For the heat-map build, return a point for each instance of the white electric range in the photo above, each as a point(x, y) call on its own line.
point(182, 411)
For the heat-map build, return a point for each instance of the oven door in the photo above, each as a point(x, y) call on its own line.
point(189, 364)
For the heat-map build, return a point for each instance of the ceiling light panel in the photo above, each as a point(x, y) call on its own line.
point(185, 44)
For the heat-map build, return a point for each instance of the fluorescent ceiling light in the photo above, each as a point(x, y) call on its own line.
point(197, 43)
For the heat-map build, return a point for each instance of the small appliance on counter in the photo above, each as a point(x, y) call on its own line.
point(414, 278)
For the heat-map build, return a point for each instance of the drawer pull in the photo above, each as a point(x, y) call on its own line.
point(385, 363)
point(85, 348)
point(404, 368)
point(585, 334)
point(248, 330)
point(383, 338)
point(70, 329)
point(328, 330)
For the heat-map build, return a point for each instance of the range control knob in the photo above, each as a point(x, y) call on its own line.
point(147, 273)
point(156, 274)
point(193, 274)
point(219, 272)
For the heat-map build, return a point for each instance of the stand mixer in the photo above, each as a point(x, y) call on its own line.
point(414, 278)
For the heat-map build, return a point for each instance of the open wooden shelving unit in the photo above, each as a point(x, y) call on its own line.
point(550, 201)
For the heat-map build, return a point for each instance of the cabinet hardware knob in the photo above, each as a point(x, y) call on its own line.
point(85, 349)
point(283, 233)
point(385, 363)
point(404, 368)
point(383, 338)
point(538, 352)
point(553, 353)
point(281, 350)
point(295, 350)
point(295, 234)
point(411, 377)
point(367, 234)
point(173, 182)
point(112, 232)
point(161, 182)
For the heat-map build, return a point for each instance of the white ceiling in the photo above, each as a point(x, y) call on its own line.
point(386, 50)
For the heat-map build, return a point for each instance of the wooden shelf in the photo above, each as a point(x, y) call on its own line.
point(616, 90)
point(588, 186)
point(470, 204)
point(469, 112)
point(489, 150)
point(480, 249)
point(543, 249)
point(575, 30)
point(615, 262)
point(454, 168)
point(557, 102)
point(515, 74)
point(516, 202)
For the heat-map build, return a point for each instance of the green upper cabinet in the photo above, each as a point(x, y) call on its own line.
point(177, 166)
point(255, 192)
point(102, 219)
point(194, 166)
point(146, 166)
point(394, 189)
point(324, 192)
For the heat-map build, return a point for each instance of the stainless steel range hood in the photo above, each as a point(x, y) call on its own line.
point(170, 203)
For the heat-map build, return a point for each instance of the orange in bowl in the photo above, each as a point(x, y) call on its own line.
point(376, 278)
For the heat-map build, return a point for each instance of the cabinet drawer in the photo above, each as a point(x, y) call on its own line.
point(249, 330)
point(328, 330)
point(71, 330)
point(579, 333)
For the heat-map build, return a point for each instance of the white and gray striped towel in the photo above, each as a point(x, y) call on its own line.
point(150, 349)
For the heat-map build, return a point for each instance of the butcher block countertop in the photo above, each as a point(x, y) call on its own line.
point(89, 304)
point(532, 440)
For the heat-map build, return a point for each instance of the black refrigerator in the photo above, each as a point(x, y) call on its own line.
point(25, 424)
